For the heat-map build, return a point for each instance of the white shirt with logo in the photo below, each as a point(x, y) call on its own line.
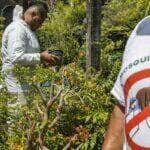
point(133, 76)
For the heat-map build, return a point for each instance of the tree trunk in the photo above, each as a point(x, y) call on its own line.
point(93, 33)
point(25, 4)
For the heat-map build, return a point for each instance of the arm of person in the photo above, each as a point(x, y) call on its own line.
point(17, 48)
point(115, 134)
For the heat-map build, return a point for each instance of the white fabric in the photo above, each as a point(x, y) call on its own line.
point(19, 46)
point(19, 101)
point(17, 12)
point(1, 86)
point(136, 58)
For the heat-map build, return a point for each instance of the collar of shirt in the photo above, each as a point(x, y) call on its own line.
point(24, 23)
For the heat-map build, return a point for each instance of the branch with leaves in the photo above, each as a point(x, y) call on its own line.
point(44, 111)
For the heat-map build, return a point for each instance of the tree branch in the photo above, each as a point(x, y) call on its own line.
point(51, 101)
point(58, 111)
point(30, 135)
point(41, 94)
point(68, 145)
point(39, 110)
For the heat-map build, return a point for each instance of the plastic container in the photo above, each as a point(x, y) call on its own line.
point(58, 53)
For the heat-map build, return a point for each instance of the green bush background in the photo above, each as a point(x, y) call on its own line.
point(90, 103)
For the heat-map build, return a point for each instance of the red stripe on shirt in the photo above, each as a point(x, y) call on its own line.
point(133, 79)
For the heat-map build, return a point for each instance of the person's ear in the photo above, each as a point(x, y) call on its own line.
point(33, 14)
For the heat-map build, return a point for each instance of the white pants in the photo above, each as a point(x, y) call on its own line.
point(18, 100)
point(14, 108)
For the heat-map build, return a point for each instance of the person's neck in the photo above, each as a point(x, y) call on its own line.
point(27, 23)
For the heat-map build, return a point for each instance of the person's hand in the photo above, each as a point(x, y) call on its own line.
point(49, 59)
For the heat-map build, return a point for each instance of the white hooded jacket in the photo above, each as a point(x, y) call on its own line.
point(19, 46)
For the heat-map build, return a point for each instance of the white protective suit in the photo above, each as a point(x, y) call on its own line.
point(19, 46)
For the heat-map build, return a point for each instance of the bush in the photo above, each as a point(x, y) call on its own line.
point(88, 102)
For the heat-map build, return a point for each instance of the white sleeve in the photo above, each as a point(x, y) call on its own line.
point(118, 92)
point(17, 44)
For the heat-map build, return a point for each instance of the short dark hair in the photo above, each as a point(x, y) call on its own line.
point(42, 7)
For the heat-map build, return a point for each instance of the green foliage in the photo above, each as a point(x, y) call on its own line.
point(88, 102)
point(84, 115)
point(119, 19)
point(64, 30)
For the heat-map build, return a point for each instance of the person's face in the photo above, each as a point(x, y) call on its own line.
point(34, 20)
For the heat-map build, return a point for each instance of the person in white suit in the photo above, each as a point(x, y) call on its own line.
point(20, 46)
